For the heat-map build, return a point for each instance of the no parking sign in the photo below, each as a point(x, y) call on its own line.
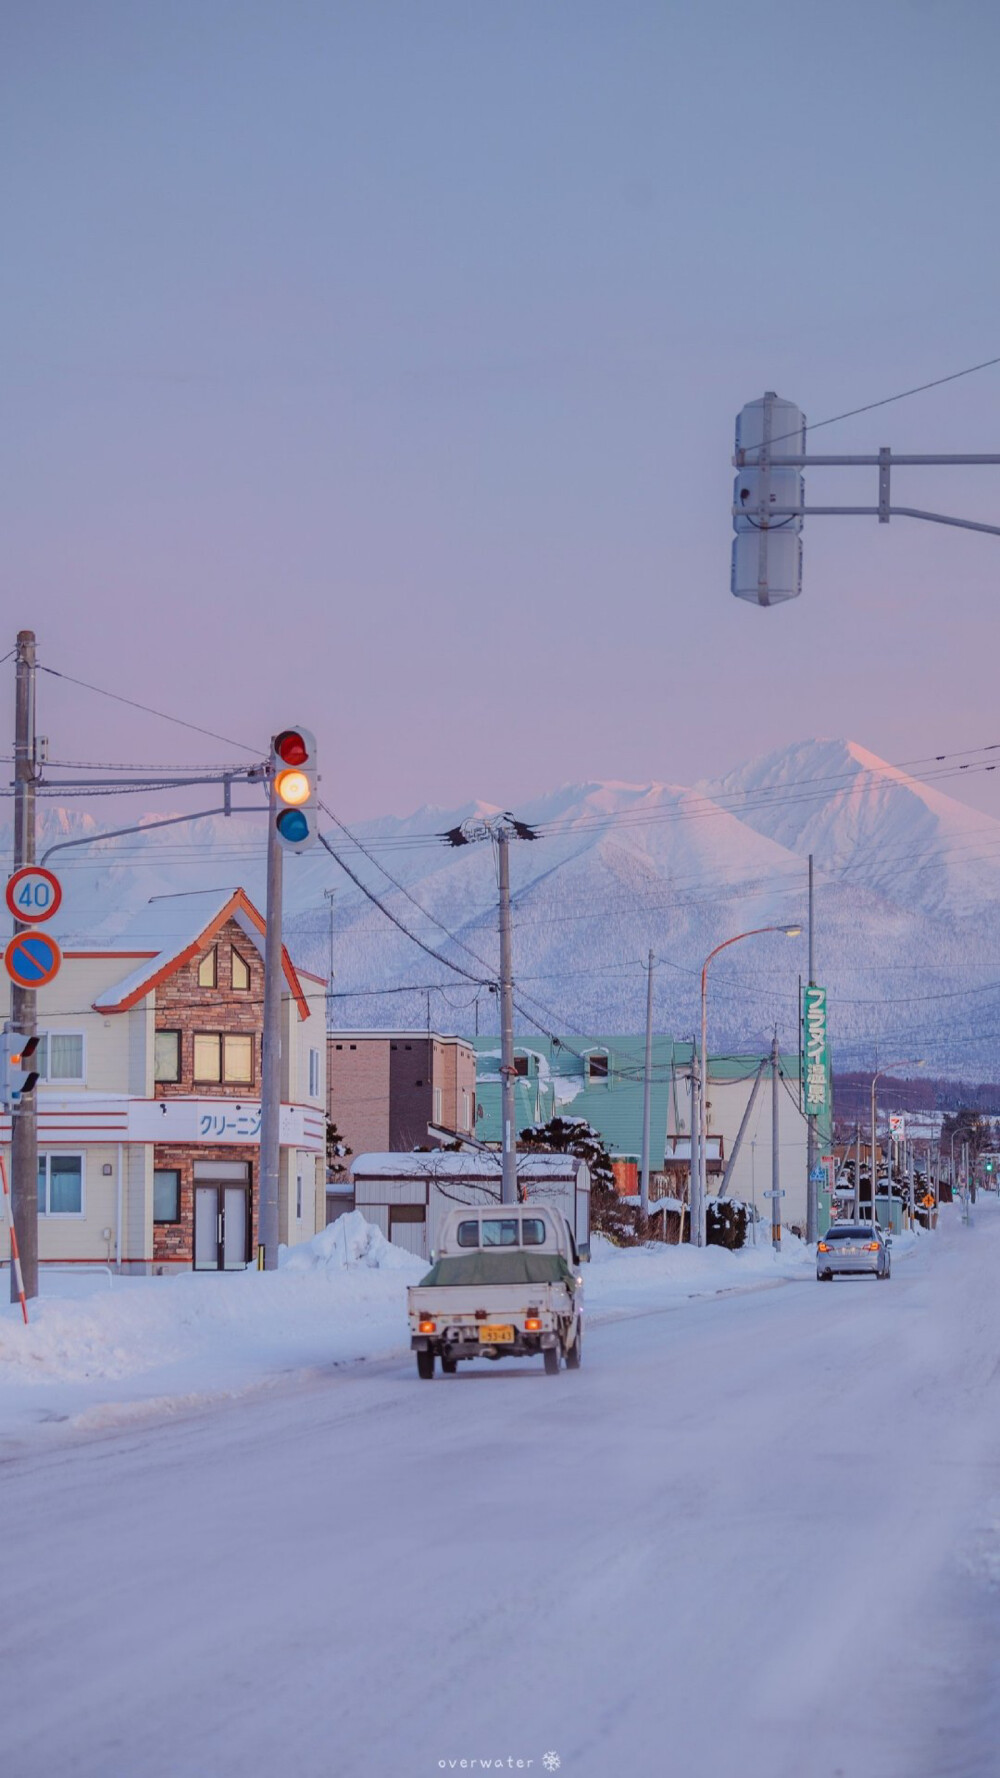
point(32, 959)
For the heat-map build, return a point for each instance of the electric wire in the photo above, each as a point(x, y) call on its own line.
point(164, 715)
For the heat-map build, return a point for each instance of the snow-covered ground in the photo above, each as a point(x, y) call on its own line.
point(96, 1351)
point(757, 1535)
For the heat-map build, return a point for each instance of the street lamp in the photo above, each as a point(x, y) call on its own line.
point(698, 1224)
point(912, 1062)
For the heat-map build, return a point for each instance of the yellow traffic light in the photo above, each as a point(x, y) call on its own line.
point(293, 787)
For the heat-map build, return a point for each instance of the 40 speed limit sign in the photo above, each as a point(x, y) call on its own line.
point(33, 894)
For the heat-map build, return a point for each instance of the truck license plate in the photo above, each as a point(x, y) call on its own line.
point(498, 1335)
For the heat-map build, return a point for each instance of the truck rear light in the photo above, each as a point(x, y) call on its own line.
point(532, 1324)
point(425, 1325)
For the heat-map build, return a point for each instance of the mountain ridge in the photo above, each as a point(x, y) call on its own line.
point(908, 879)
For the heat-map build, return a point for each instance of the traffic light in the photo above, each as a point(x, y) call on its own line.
point(767, 548)
point(293, 772)
point(16, 1079)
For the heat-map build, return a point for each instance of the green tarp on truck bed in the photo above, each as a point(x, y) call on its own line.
point(510, 1267)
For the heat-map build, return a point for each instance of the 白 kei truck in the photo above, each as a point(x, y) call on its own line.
point(505, 1283)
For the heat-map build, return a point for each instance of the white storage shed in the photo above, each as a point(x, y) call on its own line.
point(406, 1195)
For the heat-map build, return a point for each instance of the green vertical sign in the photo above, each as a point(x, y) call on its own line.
point(814, 1051)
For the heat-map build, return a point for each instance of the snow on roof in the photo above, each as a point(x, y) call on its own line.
point(179, 926)
point(435, 1164)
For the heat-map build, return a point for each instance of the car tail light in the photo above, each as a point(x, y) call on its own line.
point(822, 1247)
point(532, 1324)
point(873, 1246)
point(427, 1326)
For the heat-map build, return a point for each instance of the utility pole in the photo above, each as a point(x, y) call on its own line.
point(646, 1080)
point(270, 1072)
point(501, 829)
point(694, 1184)
point(330, 896)
point(812, 1147)
point(23, 1001)
point(775, 1146)
point(857, 1173)
point(508, 1109)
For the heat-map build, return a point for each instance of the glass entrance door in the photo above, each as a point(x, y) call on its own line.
point(207, 1231)
point(234, 1227)
point(221, 1215)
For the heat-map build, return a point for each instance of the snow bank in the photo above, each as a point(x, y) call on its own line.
point(350, 1241)
point(337, 1298)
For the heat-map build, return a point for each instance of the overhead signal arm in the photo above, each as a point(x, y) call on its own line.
point(884, 462)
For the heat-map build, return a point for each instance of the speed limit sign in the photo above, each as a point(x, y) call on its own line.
point(33, 894)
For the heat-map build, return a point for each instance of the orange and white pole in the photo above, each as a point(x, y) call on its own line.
point(15, 1257)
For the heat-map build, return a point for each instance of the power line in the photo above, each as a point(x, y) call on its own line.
point(887, 400)
point(164, 715)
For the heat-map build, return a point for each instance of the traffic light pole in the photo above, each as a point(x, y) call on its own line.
point(270, 1079)
point(812, 1146)
point(508, 1107)
point(23, 1009)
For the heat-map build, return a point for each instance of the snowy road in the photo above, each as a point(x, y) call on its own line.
point(755, 1536)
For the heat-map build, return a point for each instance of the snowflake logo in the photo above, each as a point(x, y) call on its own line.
point(551, 1762)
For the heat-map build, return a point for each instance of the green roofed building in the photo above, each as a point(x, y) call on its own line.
point(600, 1079)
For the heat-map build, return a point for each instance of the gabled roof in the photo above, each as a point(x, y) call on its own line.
point(181, 926)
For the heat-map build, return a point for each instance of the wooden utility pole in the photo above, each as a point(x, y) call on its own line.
point(23, 1001)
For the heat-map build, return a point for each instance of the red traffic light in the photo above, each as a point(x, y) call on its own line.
point(291, 747)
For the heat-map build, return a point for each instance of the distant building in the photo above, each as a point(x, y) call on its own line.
point(149, 1101)
point(600, 1079)
point(408, 1195)
point(386, 1090)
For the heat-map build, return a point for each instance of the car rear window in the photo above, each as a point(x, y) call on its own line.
point(849, 1235)
point(499, 1231)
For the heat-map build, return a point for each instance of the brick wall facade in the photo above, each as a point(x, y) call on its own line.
point(182, 1005)
point(381, 1088)
point(173, 1242)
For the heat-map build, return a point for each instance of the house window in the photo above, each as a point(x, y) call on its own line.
point(521, 1066)
point(314, 1074)
point(207, 1056)
point(298, 1197)
point(437, 1105)
point(60, 1185)
point(59, 1056)
point(597, 1065)
point(224, 1056)
point(237, 1059)
point(208, 969)
point(166, 1194)
point(466, 1109)
point(167, 1055)
point(240, 973)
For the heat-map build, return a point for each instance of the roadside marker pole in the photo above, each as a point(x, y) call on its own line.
point(15, 1257)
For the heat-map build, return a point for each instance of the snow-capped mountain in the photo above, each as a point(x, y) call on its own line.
point(907, 882)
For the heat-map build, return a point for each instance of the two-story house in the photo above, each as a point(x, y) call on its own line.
point(149, 1101)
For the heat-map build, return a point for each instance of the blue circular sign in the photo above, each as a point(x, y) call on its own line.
point(32, 959)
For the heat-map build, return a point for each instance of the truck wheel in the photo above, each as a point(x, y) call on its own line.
point(574, 1353)
point(551, 1357)
point(449, 1366)
point(425, 1365)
